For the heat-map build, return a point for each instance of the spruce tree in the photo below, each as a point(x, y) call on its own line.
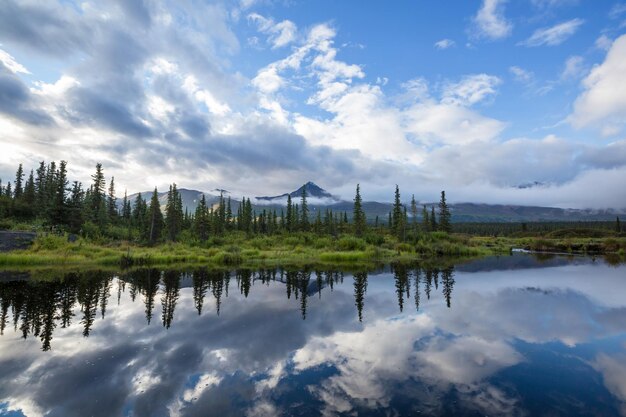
point(126, 209)
point(201, 220)
point(97, 207)
point(112, 201)
point(40, 180)
point(154, 223)
point(29, 192)
point(397, 215)
point(618, 225)
point(444, 214)
point(173, 213)
point(75, 207)
point(59, 205)
point(18, 188)
point(304, 211)
point(414, 213)
point(425, 220)
point(359, 214)
point(433, 219)
point(289, 217)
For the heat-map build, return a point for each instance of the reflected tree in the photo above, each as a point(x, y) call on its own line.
point(360, 287)
point(171, 292)
point(447, 281)
point(201, 285)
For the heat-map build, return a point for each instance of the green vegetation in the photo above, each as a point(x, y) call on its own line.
point(79, 226)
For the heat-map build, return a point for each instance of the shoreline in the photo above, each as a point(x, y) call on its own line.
point(298, 250)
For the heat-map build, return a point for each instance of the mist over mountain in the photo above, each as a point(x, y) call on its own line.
point(319, 199)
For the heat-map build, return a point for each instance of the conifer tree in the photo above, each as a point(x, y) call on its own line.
point(112, 201)
point(304, 209)
point(289, 216)
point(75, 207)
point(126, 209)
point(433, 219)
point(18, 189)
point(359, 214)
point(618, 225)
point(425, 220)
point(59, 205)
point(40, 180)
point(414, 213)
point(29, 192)
point(397, 219)
point(154, 223)
point(140, 211)
point(444, 214)
point(97, 196)
point(201, 220)
point(173, 213)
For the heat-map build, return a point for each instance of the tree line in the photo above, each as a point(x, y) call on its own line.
point(47, 197)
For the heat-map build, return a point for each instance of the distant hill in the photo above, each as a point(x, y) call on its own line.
point(321, 200)
point(190, 198)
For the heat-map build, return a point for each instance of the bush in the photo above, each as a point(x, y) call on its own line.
point(350, 243)
point(374, 239)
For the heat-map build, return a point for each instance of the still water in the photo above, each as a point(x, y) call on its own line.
point(513, 335)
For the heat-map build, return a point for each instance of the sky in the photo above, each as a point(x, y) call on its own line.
point(478, 98)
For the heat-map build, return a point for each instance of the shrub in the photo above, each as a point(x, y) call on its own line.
point(350, 243)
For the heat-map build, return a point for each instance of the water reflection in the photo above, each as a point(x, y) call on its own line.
point(403, 340)
point(37, 307)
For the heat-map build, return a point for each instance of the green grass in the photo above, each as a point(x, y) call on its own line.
point(237, 249)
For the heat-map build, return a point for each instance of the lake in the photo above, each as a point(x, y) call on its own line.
point(514, 335)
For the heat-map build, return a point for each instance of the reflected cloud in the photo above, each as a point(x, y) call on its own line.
point(400, 340)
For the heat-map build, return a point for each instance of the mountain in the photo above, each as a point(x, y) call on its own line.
point(321, 200)
point(190, 198)
point(312, 191)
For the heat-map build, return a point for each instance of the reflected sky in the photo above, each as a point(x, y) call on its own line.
point(502, 336)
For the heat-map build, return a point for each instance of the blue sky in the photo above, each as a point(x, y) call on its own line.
point(259, 96)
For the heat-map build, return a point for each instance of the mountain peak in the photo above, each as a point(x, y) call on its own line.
point(312, 190)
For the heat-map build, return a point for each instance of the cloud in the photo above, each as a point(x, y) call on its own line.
point(150, 87)
point(574, 68)
point(547, 4)
point(554, 35)
point(280, 34)
point(471, 89)
point(617, 10)
point(521, 75)
point(9, 63)
point(603, 43)
point(603, 100)
point(444, 44)
point(490, 22)
point(16, 100)
point(50, 28)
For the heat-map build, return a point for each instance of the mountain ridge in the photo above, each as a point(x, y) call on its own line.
point(320, 200)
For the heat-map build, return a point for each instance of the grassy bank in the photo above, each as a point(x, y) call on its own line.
point(238, 249)
point(295, 249)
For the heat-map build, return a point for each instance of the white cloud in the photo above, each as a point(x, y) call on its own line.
point(603, 100)
point(546, 4)
point(444, 44)
point(280, 34)
point(521, 75)
point(471, 89)
point(603, 43)
point(490, 22)
point(267, 80)
point(617, 10)
point(574, 68)
point(8, 61)
point(554, 35)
